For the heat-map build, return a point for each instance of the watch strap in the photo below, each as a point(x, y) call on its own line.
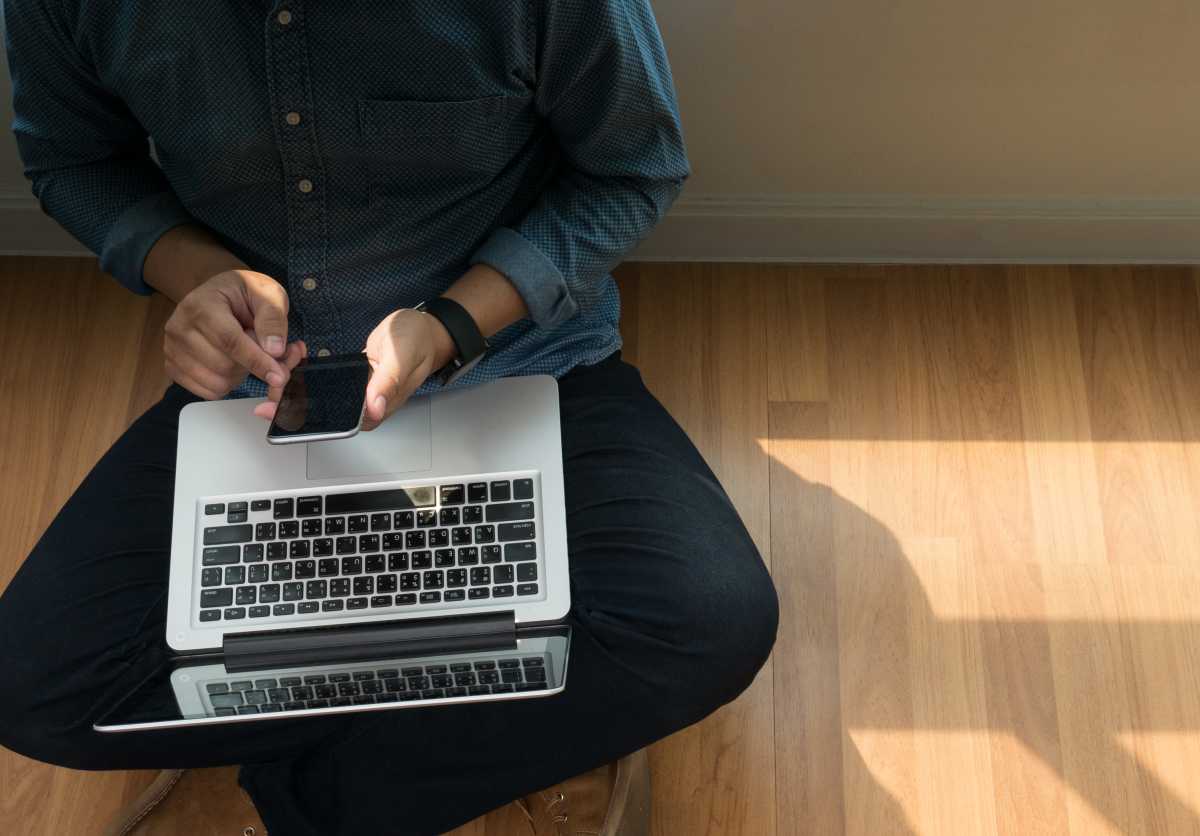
point(467, 337)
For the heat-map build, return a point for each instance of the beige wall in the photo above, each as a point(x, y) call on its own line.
point(893, 129)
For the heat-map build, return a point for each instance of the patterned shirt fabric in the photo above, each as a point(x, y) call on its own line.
point(364, 153)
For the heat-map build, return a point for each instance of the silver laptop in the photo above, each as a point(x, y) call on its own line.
point(423, 563)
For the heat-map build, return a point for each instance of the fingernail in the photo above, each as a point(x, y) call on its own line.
point(274, 345)
point(275, 379)
point(380, 404)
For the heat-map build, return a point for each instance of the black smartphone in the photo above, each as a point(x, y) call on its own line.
point(324, 399)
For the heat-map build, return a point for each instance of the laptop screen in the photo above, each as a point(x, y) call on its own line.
point(188, 692)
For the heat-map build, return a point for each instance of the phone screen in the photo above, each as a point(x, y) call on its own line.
point(324, 396)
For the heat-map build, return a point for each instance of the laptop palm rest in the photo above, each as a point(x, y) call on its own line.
point(401, 444)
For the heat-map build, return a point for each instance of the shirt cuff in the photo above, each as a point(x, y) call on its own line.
point(134, 234)
point(534, 275)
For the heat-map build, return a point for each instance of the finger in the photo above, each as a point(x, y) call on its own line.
point(225, 333)
point(266, 410)
point(195, 348)
point(216, 381)
point(296, 352)
point(373, 418)
point(269, 307)
point(189, 383)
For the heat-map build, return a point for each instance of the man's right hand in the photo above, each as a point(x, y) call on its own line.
point(233, 324)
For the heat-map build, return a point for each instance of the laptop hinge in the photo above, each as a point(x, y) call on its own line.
point(369, 642)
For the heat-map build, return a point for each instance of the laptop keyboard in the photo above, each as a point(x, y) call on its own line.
point(367, 687)
point(288, 557)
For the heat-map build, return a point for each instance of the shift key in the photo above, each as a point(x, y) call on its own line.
point(219, 535)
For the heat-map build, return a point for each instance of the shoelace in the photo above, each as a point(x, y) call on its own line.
point(559, 818)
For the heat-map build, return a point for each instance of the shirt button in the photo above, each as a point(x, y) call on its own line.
point(323, 352)
point(284, 17)
point(305, 186)
point(309, 284)
point(293, 118)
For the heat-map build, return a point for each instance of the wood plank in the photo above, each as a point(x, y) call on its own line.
point(718, 776)
point(808, 721)
point(797, 368)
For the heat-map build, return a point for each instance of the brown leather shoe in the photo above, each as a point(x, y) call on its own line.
point(613, 800)
point(198, 802)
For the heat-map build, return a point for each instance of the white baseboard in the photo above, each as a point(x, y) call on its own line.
point(839, 228)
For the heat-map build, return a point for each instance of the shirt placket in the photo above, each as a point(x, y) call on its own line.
point(304, 177)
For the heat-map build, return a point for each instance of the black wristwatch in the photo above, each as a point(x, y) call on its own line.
point(468, 339)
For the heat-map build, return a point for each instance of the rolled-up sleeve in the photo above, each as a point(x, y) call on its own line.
point(85, 154)
point(604, 86)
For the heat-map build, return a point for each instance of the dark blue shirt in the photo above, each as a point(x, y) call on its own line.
point(365, 154)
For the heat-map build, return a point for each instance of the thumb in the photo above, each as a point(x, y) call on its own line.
point(269, 306)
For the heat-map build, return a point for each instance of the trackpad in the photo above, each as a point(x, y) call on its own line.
point(401, 444)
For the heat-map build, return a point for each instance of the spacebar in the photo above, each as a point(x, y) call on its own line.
point(349, 503)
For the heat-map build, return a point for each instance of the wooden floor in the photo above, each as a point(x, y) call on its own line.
point(978, 490)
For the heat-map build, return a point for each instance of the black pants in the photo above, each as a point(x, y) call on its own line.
point(673, 613)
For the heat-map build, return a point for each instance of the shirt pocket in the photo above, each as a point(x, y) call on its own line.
point(413, 146)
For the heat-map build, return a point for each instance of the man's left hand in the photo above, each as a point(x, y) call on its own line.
point(404, 350)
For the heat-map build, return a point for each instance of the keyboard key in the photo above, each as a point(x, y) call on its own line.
point(439, 537)
point(316, 589)
point(306, 569)
point(511, 675)
point(351, 565)
point(448, 516)
point(339, 587)
point(502, 592)
point(268, 593)
point(472, 514)
point(522, 489)
point(489, 554)
point(374, 563)
point(356, 603)
point(264, 531)
point(368, 543)
point(227, 700)
point(220, 556)
point(279, 694)
point(515, 552)
point(308, 506)
point(433, 579)
point(485, 534)
point(516, 531)
point(307, 607)
point(255, 697)
point(252, 553)
point(501, 491)
point(311, 528)
point(460, 536)
point(322, 547)
point(237, 507)
point(406, 600)
point(235, 575)
point(335, 525)
point(527, 589)
point(289, 681)
point(260, 505)
point(393, 541)
point(246, 595)
point(210, 577)
point(280, 572)
point(386, 583)
point(372, 687)
point(397, 562)
point(414, 540)
point(259, 612)
point(468, 556)
point(284, 508)
point(508, 512)
point(489, 677)
point(455, 595)
point(426, 598)
point(289, 529)
point(218, 688)
point(478, 593)
point(456, 577)
point(443, 558)
point(453, 494)
point(214, 508)
point(235, 613)
point(402, 519)
point(422, 560)
point(502, 574)
point(527, 572)
point(441, 681)
point(269, 708)
point(210, 615)
point(293, 591)
point(477, 690)
point(381, 601)
point(236, 517)
point(481, 575)
point(347, 544)
point(357, 523)
point(381, 522)
point(216, 597)
point(299, 548)
point(410, 581)
point(364, 585)
point(385, 500)
point(477, 492)
point(333, 605)
point(283, 609)
point(276, 551)
point(485, 666)
point(328, 567)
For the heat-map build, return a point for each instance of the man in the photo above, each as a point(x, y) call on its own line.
point(322, 169)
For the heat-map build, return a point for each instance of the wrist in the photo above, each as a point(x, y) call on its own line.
point(443, 348)
point(184, 258)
